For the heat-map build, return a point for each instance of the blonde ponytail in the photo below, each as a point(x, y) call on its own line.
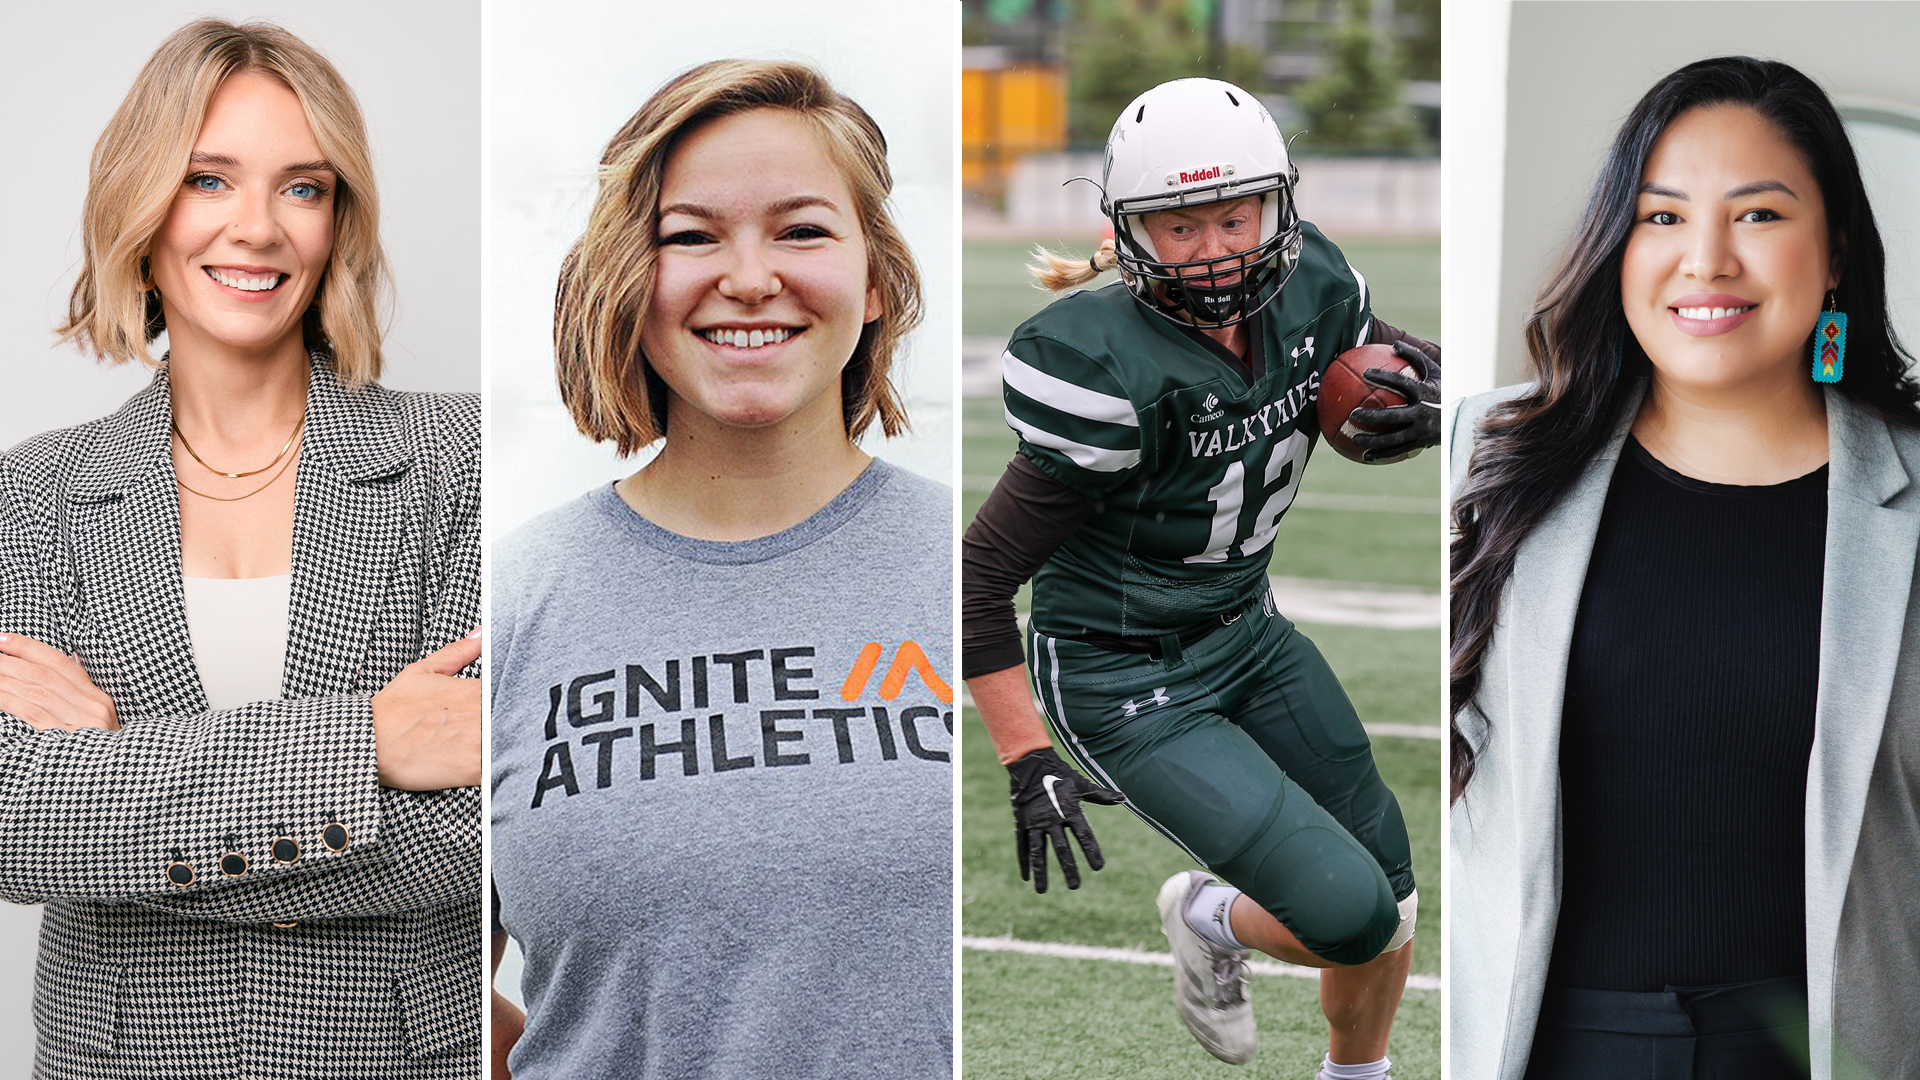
point(1053, 271)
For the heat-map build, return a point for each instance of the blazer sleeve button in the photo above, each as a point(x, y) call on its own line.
point(286, 849)
point(179, 872)
point(335, 836)
point(232, 863)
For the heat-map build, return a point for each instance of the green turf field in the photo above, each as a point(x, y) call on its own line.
point(1046, 1017)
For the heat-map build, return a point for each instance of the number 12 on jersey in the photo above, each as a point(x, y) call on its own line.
point(1286, 461)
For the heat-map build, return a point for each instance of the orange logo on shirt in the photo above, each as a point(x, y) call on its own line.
point(908, 658)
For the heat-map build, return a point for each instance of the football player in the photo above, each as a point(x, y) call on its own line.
point(1164, 422)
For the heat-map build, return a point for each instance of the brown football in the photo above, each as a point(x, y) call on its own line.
point(1342, 390)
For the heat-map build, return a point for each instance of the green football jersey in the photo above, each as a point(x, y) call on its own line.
point(1191, 458)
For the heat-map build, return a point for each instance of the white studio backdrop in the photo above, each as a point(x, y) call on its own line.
point(416, 70)
point(564, 80)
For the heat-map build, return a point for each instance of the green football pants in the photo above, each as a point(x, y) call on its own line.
point(1244, 750)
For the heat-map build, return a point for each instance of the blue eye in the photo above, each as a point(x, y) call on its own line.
point(205, 182)
point(305, 190)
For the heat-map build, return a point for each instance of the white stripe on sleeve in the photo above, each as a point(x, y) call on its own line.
point(1056, 393)
point(1091, 458)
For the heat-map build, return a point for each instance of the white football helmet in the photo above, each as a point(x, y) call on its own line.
point(1188, 143)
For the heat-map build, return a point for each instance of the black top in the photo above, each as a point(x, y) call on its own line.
point(1686, 733)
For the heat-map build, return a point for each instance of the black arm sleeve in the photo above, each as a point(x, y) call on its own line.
point(1027, 518)
point(1382, 334)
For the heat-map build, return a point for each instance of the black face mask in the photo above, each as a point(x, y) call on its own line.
point(1171, 289)
point(1259, 275)
point(1223, 305)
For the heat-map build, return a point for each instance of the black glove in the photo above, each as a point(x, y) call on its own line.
point(1411, 427)
point(1046, 802)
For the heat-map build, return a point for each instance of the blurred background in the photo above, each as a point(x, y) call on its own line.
point(1042, 81)
point(1075, 984)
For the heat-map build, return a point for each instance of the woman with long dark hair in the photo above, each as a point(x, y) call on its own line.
point(1683, 828)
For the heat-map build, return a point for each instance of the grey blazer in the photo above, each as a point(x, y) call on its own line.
point(1863, 789)
point(231, 893)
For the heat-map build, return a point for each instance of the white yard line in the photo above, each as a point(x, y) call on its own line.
point(1366, 504)
point(1061, 951)
point(1343, 603)
point(1405, 731)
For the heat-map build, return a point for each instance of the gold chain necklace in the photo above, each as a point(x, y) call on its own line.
point(175, 424)
point(248, 495)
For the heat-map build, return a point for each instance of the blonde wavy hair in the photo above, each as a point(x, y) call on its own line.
point(1054, 271)
point(141, 160)
point(606, 283)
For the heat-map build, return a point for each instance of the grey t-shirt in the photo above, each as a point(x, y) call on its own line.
point(722, 793)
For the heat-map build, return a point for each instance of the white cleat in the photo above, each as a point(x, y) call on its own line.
point(1209, 983)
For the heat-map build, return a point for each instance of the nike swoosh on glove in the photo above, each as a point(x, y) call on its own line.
point(1046, 804)
point(1411, 427)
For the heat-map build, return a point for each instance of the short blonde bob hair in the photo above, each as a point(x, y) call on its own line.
point(141, 160)
point(606, 283)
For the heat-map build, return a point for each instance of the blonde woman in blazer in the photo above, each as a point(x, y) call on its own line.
point(1519, 589)
point(286, 884)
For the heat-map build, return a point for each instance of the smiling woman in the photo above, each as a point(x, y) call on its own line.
point(1682, 577)
point(762, 287)
point(721, 693)
point(235, 763)
point(244, 244)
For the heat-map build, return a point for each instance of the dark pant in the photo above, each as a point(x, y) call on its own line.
point(1243, 749)
point(1746, 1031)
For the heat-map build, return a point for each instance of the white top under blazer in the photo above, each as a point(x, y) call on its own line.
point(239, 631)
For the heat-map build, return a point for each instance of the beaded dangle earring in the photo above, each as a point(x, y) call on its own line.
point(1830, 343)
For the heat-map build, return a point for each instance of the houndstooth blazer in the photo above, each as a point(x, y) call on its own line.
point(344, 941)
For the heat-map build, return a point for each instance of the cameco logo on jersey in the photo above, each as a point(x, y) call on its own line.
point(1212, 405)
point(1206, 172)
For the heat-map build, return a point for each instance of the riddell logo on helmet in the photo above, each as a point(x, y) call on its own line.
point(1210, 172)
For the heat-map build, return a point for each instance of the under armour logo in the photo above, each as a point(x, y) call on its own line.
point(1307, 348)
point(1159, 698)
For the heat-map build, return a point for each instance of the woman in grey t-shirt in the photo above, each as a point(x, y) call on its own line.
point(722, 808)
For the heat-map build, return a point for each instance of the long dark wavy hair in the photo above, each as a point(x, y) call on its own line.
point(1531, 448)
